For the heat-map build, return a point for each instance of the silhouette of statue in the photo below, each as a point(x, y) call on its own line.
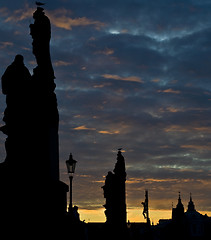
point(146, 208)
point(41, 34)
point(15, 85)
point(29, 177)
point(43, 80)
point(115, 206)
point(17, 70)
point(114, 192)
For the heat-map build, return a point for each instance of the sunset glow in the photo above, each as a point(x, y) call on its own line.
point(128, 76)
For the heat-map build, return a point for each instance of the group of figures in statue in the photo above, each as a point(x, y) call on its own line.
point(31, 114)
point(30, 171)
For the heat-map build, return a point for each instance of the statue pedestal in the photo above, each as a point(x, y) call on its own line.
point(29, 204)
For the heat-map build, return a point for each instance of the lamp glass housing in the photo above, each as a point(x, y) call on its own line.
point(71, 164)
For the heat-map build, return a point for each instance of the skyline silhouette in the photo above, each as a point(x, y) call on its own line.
point(129, 80)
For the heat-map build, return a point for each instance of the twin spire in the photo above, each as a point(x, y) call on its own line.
point(191, 206)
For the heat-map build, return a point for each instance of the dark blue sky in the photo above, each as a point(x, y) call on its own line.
point(133, 74)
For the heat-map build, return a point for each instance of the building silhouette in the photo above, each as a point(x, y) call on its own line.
point(188, 225)
point(178, 212)
point(196, 222)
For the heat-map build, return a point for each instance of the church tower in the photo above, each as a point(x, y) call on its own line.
point(178, 212)
point(191, 206)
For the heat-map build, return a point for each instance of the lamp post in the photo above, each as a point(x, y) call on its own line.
point(71, 164)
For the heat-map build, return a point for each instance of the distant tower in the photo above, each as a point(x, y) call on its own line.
point(178, 212)
point(195, 222)
point(191, 206)
point(114, 192)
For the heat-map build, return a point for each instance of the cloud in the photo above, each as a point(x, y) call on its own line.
point(170, 90)
point(116, 77)
point(84, 128)
point(61, 19)
point(171, 109)
point(61, 63)
point(109, 132)
point(197, 147)
point(17, 15)
point(188, 128)
point(106, 51)
point(5, 44)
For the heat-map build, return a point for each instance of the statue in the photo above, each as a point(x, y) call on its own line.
point(114, 192)
point(146, 208)
point(43, 78)
point(15, 84)
point(29, 176)
point(40, 31)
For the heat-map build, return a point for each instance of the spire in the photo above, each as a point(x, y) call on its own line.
point(178, 212)
point(191, 206)
point(179, 204)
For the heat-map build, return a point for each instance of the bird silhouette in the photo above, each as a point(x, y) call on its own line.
point(39, 3)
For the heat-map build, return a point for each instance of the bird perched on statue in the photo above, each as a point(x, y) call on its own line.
point(39, 3)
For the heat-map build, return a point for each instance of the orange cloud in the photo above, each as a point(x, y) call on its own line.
point(61, 18)
point(203, 129)
point(102, 85)
point(197, 147)
point(17, 15)
point(61, 63)
point(171, 109)
point(3, 11)
point(106, 51)
point(84, 128)
point(150, 180)
point(156, 80)
point(170, 90)
point(33, 62)
point(177, 128)
point(5, 44)
point(77, 116)
point(116, 77)
point(109, 132)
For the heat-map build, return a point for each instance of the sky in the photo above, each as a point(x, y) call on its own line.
point(133, 74)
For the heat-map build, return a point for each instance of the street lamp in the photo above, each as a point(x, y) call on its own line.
point(71, 164)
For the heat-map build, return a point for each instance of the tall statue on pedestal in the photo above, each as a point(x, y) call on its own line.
point(115, 195)
point(114, 192)
point(30, 171)
point(43, 80)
